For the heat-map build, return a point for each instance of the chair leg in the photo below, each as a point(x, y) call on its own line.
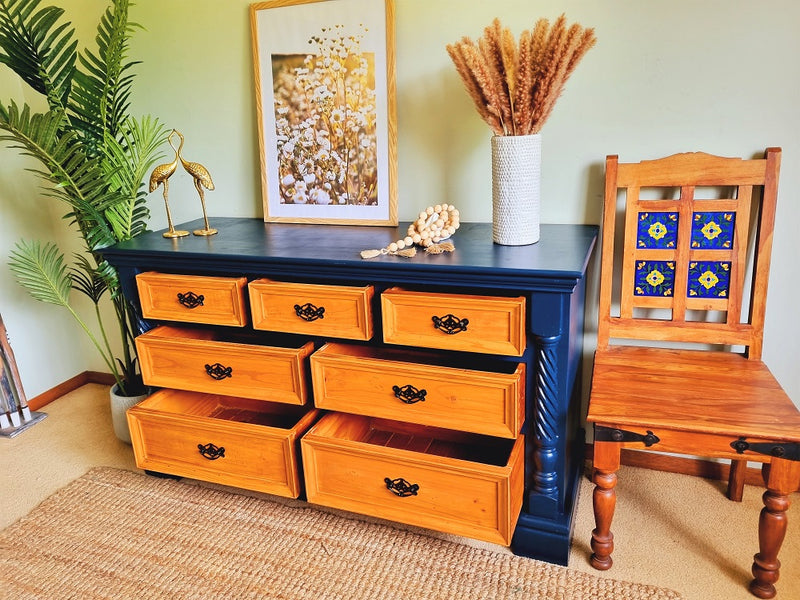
point(604, 500)
point(736, 480)
point(781, 477)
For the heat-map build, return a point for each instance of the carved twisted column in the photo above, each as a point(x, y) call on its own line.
point(545, 479)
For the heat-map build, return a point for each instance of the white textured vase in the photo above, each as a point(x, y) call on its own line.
point(119, 409)
point(516, 178)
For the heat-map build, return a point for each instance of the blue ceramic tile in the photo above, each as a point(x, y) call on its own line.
point(657, 230)
point(654, 278)
point(709, 279)
point(713, 230)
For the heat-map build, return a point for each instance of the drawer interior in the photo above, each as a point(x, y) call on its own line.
point(225, 408)
point(236, 336)
point(401, 356)
point(416, 438)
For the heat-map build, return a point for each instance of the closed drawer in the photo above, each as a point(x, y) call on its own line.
point(417, 388)
point(311, 309)
point(457, 483)
point(232, 441)
point(195, 360)
point(192, 299)
point(486, 324)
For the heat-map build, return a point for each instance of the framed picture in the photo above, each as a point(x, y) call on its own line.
point(325, 92)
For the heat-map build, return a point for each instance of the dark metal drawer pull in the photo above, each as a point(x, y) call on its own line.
point(401, 487)
point(218, 371)
point(309, 312)
point(211, 452)
point(450, 324)
point(409, 394)
point(190, 299)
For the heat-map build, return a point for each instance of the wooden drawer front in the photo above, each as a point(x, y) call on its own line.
point(193, 360)
point(487, 324)
point(309, 309)
point(365, 381)
point(192, 299)
point(231, 441)
point(350, 462)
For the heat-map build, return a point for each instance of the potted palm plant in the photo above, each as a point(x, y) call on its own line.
point(94, 157)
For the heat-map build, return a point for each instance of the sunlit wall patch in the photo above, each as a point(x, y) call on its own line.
point(654, 278)
point(657, 230)
point(709, 279)
point(713, 230)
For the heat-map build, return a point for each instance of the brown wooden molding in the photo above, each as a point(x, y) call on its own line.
point(696, 467)
point(70, 385)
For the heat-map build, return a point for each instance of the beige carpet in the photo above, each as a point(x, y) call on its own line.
point(117, 534)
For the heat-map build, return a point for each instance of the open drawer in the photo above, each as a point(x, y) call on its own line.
point(486, 397)
point(448, 481)
point(201, 360)
point(232, 441)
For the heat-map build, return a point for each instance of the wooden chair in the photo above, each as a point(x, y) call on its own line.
point(684, 259)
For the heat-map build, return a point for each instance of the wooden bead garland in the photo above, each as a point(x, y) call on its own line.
point(433, 226)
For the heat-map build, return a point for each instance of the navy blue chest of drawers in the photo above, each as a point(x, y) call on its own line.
point(550, 275)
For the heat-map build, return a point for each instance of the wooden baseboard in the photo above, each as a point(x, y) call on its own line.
point(696, 467)
point(70, 385)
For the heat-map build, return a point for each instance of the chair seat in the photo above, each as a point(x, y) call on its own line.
point(690, 391)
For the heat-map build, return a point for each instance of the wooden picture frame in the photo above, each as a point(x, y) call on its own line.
point(325, 94)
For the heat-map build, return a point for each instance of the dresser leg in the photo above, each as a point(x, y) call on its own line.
point(604, 500)
point(781, 477)
point(160, 475)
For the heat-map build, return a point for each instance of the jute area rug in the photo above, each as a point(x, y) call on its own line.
point(122, 535)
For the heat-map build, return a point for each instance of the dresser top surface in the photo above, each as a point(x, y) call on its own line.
point(562, 251)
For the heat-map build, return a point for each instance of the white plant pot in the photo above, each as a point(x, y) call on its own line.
point(119, 408)
point(516, 179)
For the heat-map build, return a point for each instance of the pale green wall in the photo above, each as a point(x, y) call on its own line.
point(666, 76)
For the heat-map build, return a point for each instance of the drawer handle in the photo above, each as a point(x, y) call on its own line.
point(190, 299)
point(409, 394)
point(309, 312)
point(400, 487)
point(450, 324)
point(218, 371)
point(211, 452)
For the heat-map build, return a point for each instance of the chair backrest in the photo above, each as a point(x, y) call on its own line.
point(683, 251)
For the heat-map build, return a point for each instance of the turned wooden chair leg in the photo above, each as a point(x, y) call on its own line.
point(736, 480)
point(781, 477)
point(604, 500)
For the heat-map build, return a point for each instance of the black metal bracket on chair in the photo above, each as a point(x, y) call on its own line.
point(610, 434)
point(787, 450)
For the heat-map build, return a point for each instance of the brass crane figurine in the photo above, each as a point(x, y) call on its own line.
point(202, 179)
point(160, 176)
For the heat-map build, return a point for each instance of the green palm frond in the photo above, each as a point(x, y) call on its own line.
point(37, 48)
point(110, 278)
point(128, 159)
point(41, 271)
point(87, 279)
point(100, 99)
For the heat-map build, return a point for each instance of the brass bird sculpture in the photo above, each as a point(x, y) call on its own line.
point(202, 179)
point(160, 176)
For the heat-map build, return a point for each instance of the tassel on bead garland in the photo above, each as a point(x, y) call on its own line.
point(434, 225)
point(407, 252)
